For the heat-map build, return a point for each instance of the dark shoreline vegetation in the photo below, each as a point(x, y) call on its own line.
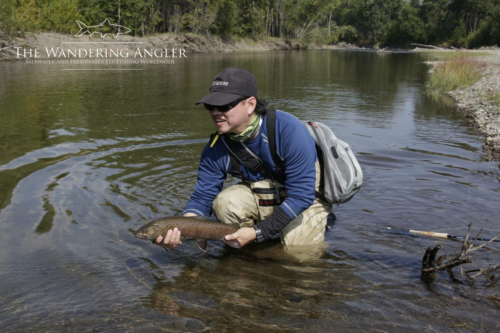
point(371, 23)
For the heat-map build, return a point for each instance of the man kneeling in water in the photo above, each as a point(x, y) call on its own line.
point(264, 204)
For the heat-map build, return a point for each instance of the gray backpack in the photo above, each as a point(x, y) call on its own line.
point(342, 174)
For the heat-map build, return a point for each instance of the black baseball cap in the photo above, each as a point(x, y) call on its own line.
point(230, 84)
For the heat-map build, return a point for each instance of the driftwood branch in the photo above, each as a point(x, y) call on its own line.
point(427, 46)
point(430, 265)
point(481, 246)
point(492, 279)
point(432, 47)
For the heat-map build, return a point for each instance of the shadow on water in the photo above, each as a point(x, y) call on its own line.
point(80, 167)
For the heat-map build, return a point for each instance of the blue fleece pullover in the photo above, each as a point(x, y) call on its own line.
point(294, 145)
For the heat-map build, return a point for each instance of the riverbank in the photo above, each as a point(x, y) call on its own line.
point(480, 102)
point(189, 42)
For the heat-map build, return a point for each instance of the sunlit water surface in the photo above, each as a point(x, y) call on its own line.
point(88, 156)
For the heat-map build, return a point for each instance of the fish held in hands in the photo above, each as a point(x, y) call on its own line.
point(199, 228)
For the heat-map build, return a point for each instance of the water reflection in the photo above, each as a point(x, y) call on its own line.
point(233, 288)
point(85, 158)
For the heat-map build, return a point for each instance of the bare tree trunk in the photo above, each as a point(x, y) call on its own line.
point(176, 19)
point(267, 22)
point(273, 30)
point(253, 11)
point(475, 22)
point(119, 16)
point(302, 32)
point(329, 23)
point(281, 18)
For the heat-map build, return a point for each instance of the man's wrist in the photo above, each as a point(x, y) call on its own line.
point(258, 233)
point(275, 222)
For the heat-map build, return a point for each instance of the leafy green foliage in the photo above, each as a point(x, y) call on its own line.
point(461, 23)
point(406, 27)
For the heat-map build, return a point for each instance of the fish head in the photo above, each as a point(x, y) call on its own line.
point(146, 232)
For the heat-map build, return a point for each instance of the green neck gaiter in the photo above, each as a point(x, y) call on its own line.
point(251, 130)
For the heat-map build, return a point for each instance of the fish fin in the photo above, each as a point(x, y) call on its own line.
point(204, 218)
point(202, 244)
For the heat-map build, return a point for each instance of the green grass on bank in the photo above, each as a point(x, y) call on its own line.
point(455, 72)
point(494, 97)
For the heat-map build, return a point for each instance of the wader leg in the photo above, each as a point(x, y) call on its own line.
point(309, 227)
point(236, 204)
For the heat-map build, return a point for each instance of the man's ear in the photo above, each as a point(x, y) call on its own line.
point(251, 104)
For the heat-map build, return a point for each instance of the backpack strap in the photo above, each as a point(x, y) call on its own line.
point(236, 166)
point(271, 138)
point(240, 154)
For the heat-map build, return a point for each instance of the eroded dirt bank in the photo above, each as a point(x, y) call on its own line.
point(190, 43)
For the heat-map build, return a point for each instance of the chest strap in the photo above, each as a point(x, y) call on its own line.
point(239, 154)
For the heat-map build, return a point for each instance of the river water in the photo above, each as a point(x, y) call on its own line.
point(86, 156)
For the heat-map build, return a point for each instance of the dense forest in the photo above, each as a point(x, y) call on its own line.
point(459, 23)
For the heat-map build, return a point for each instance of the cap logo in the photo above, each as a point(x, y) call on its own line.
point(220, 83)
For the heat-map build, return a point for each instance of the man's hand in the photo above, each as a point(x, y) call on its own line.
point(244, 236)
point(171, 240)
point(173, 237)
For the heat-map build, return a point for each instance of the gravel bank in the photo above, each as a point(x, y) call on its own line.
point(482, 111)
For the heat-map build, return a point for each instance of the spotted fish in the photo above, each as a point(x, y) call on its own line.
point(199, 228)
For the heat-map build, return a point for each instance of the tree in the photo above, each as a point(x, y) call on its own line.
point(226, 18)
point(201, 16)
point(251, 18)
point(406, 28)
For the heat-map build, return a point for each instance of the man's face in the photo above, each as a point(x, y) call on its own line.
point(236, 119)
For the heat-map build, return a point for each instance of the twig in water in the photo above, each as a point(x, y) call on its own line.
point(430, 265)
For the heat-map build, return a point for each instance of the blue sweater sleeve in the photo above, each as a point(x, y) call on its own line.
point(212, 173)
point(297, 149)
